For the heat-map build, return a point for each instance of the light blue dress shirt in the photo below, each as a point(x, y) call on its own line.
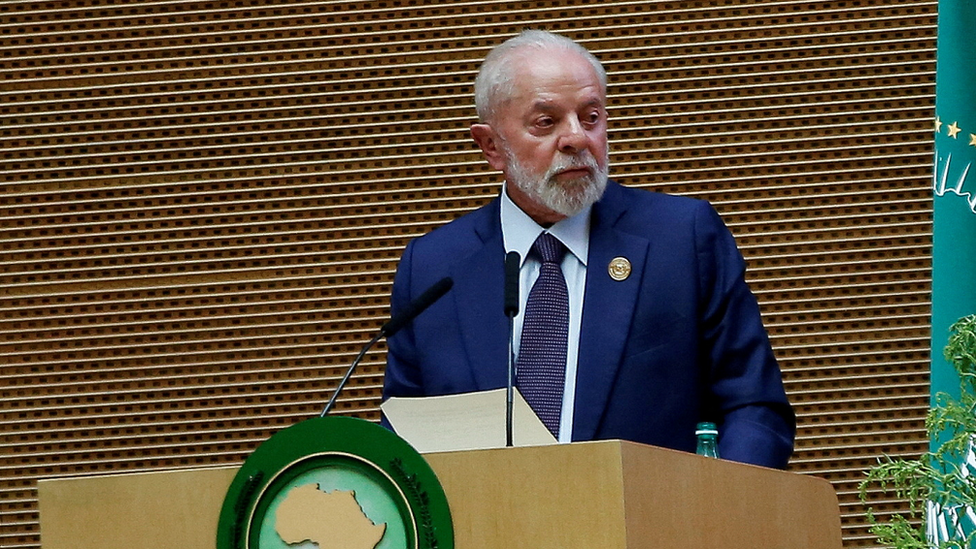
point(519, 232)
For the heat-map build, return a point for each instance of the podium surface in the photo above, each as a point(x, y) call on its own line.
point(614, 494)
point(607, 494)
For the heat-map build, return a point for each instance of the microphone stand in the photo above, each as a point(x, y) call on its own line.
point(512, 264)
point(392, 326)
point(345, 378)
point(510, 391)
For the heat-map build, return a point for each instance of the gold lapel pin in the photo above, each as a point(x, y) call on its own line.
point(619, 268)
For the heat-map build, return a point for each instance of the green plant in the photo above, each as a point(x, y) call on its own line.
point(940, 486)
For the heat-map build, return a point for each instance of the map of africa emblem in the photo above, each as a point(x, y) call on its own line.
point(335, 483)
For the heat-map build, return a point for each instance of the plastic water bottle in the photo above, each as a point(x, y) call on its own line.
point(707, 434)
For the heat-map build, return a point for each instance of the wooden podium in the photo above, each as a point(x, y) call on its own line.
point(606, 495)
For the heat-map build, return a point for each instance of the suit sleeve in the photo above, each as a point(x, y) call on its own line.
point(744, 389)
point(402, 377)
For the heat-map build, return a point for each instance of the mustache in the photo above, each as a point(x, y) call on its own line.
point(563, 162)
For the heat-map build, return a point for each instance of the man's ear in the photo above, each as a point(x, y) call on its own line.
point(490, 144)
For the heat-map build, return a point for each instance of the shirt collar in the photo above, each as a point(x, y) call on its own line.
point(519, 231)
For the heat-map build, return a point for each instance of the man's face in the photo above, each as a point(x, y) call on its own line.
point(552, 135)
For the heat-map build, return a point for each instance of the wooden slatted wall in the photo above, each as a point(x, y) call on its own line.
point(202, 204)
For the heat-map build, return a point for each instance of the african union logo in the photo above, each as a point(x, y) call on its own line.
point(954, 172)
point(335, 482)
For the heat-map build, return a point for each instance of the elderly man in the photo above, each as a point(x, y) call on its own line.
point(636, 321)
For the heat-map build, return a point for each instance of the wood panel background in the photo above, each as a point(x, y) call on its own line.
point(202, 204)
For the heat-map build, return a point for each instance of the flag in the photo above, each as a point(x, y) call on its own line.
point(954, 182)
point(954, 213)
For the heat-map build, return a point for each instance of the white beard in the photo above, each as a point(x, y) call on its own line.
point(567, 197)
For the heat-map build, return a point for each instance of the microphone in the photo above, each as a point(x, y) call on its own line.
point(417, 306)
point(394, 325)
point(512, 261)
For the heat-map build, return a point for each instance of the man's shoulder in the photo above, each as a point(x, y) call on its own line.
point(462, 232)
point(647, 207)
point(637, 196)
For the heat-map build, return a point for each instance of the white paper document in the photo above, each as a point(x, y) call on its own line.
point(469, 421)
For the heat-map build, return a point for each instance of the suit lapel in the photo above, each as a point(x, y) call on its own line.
point(479, 284)
point(607, 309)
point(607, 312)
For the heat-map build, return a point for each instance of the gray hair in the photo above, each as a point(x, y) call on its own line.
point(496, 77)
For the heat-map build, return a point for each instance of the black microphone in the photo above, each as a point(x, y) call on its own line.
point(512, 263)
point(417, 306)
point(392, 326)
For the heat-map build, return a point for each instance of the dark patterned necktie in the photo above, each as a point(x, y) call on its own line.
point(541, 364)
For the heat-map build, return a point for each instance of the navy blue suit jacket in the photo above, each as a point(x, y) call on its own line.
point(678, 342)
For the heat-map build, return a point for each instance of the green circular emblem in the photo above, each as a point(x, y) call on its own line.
point(335, 482)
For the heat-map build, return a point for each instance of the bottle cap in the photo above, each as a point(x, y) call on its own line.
point(706, 428)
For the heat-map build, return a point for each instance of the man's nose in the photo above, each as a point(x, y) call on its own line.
point(573, 138)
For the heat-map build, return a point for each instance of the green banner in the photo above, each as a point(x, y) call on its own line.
point(954, 202)
point(954, 182)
